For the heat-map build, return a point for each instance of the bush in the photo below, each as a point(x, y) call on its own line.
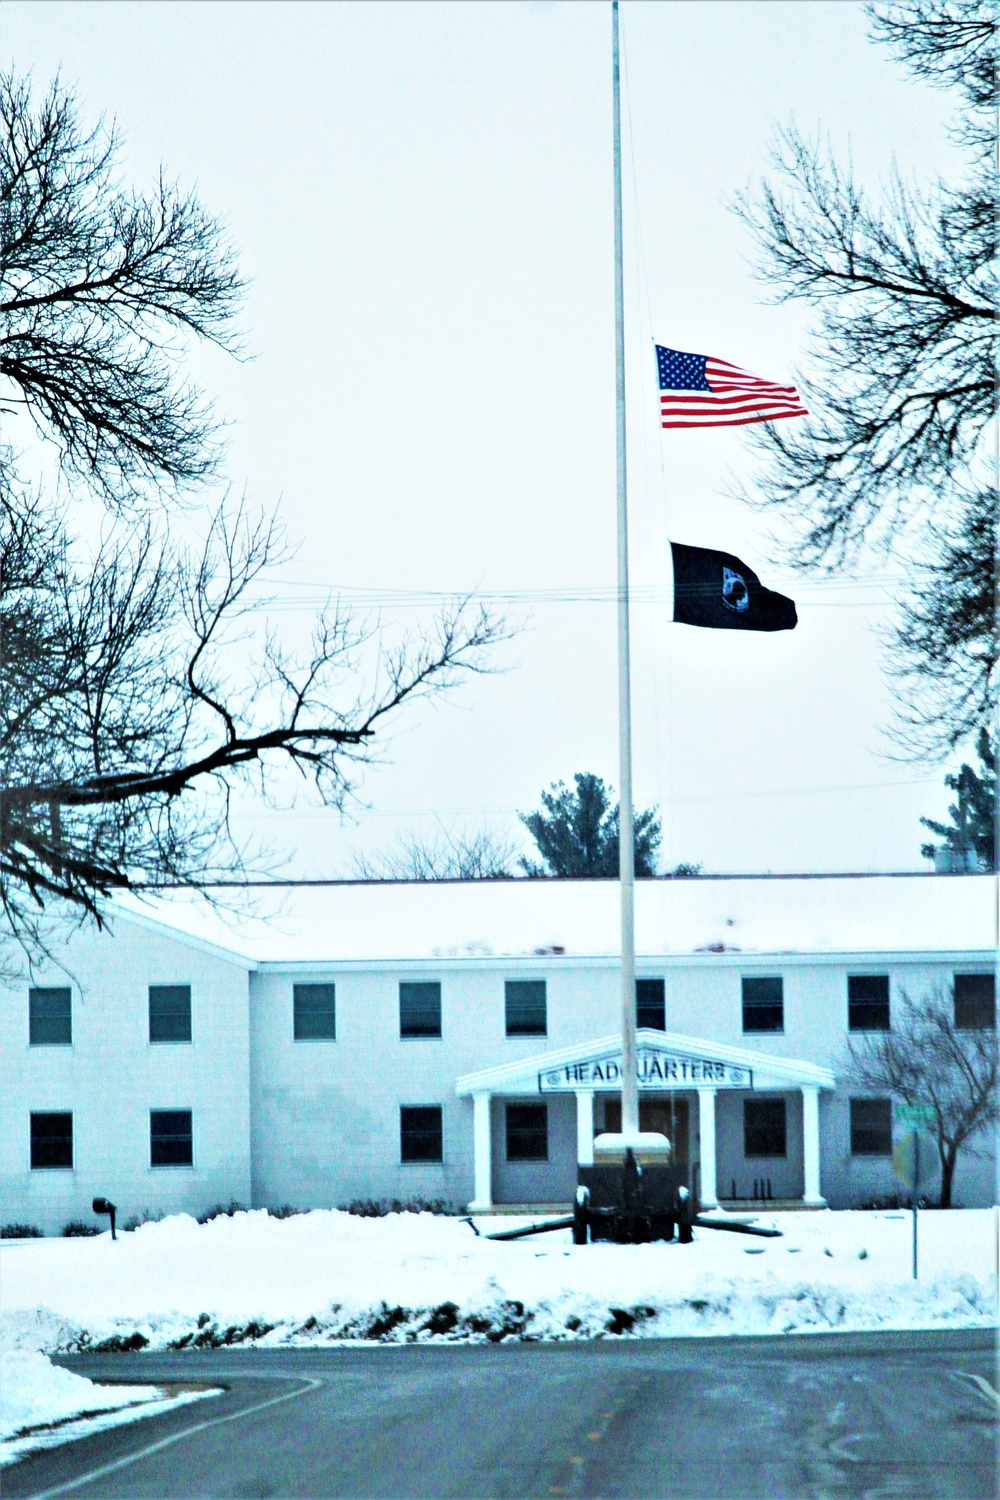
point(286, 1211)
point(144, 1216)
point(378, 1208)
point(77, 1229)
point(222, 1211)
point(21, 1232)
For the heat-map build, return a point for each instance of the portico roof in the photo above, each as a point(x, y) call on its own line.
point(696, 1063)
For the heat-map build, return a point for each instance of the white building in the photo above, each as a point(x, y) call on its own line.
point(459, 1041)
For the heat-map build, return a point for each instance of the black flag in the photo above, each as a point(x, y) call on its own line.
point(717, 590)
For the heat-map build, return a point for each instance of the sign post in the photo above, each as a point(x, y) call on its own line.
point(913, 1118)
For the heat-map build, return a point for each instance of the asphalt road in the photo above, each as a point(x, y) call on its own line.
point(831, 1415)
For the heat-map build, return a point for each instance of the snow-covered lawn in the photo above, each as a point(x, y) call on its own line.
point(327, 1275)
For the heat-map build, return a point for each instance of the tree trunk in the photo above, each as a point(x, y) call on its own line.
point(948, 1159)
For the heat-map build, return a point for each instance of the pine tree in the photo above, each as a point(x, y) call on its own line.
point(577, 832)
point(973, 828)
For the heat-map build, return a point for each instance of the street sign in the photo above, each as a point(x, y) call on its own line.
point(914, 1116)
point(912, 1158)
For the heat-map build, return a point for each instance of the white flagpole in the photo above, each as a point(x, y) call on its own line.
point(630, 1081)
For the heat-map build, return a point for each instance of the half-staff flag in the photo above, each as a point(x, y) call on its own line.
point(699, 391)
point(718, 590)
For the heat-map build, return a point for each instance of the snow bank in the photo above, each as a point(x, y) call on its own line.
point(329, 1276)
point(34, 1391)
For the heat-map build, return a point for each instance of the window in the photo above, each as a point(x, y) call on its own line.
point(524, 1003)
point(50, 1018)
point(51, 1141)
point(169, 1012)
point(420, 1009)
point(315, 1012)
point(650, 1004)
point(420, 1136)
point(871, 1127)
point(527, 1132)
point(868, 1002)
point(170, 1140)
point(763, 1005)
point(975, 1002)
point(764, 1127)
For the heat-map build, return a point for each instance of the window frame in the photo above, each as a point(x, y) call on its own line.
point(524, 1105)
point(170, 1041)
point(752, 1104)
point(313, 984)
point(857, 1128)
point(859, 1005)
point(49, 989)
point(760, 1005)
point(420, 1034)
point(986, 974)
point(171, 1166)
point(508, 986)
point(50, 1114)
point(651, 980)
point(421, 1161)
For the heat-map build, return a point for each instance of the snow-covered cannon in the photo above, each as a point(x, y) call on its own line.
point(633, 1193)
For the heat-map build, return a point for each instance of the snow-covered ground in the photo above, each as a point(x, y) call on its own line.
point(327, 1276)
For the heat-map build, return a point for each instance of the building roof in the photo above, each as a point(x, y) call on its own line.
point(439, 921)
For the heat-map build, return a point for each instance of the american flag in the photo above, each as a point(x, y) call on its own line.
point(699, 391)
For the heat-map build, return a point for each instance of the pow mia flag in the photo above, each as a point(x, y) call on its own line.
point(719, 591)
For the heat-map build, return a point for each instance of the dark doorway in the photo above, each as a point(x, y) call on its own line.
point(659, 1115)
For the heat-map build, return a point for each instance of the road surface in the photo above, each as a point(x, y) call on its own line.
point(829, 1415)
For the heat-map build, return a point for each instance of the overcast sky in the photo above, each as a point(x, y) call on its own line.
point(421, 194)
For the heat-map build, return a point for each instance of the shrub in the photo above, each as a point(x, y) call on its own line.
point(222, 1211)
point(78, 1229)
point(21, 1232)
point(378, 1208)
point(286, 1211)
point(144, 1216)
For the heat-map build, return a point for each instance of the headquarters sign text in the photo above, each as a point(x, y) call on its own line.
point(656, 1069)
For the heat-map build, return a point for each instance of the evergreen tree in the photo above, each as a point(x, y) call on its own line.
point(972, 829)
point(577, 832)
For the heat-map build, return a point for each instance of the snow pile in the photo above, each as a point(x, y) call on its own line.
point(34, 1391)
point(328, 1276)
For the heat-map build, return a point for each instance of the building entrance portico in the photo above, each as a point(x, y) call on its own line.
point(689, 1072)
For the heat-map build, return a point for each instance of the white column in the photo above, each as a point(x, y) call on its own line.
point(481, 1149)
point(706, 1133)
point(810, 1144)
point(585, 1127)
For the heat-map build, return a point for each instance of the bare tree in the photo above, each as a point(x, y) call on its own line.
point(102, 291)
point(138, 684)
point(927, 1059)
point(904, 381)
point(483, 854)
point(122, 731)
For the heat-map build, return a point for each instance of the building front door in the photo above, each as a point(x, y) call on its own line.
point(660, 1115)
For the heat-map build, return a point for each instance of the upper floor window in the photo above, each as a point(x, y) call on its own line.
point(420, 1009)
point(975, 1001)
point(314, 1008)
point(763, 1005)
point(871, 1127)
point(524, 1005)
point(868, 1002)
point(169, 1012)
point(764, 1127)
point(171, 1138)
point(420, 1133)
point(527, 1132)
point(51, 1140)
point(50, 1017)
point(650, 1004)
